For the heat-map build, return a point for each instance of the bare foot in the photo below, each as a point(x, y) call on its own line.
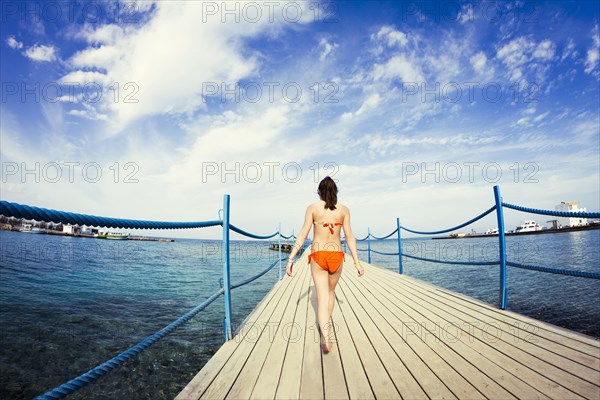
point(325, 344)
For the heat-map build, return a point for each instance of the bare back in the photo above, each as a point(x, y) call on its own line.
point(327, 226)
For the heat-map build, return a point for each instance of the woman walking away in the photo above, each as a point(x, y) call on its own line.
point(326, 258)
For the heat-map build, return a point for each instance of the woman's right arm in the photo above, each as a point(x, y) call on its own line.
point(351, 241)
point(300, 239)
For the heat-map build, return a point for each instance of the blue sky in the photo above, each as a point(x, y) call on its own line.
point(154, 110)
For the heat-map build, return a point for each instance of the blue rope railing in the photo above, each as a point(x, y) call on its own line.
point(560, 271)
point(252, 235)
point(567, 214)
point(46, 215)
point(469, 222)
point(502, 262)
point(95, 373)
point(384, 254)
point(16, 210)
point(451, 262)
point(104, 368)
point(384, 237)
point(253, 278)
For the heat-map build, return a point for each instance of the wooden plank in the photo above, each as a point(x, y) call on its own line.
point(582, 375)
point(381, 383)
point(395, 336)
point(356, 379)
point(412, 376)
point(566, 337)
point(198, 385)
point(435, 375)
point(311, 383)
point(535, 358)
point(245, 381)
point(498, 384)
point(542, 375)
point(249, 334)
point(533, 332)
point(288, 332)
point(579, 363)
point(291, 374)
point(334, 379)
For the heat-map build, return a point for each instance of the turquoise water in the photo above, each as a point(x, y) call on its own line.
point(69, 304)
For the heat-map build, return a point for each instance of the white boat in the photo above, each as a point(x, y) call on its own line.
point(117, 236)
point(528, 226)
point(493, 231)
point(28, 228)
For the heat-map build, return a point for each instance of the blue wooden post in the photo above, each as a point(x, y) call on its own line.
point(369, 245)
point(279, 241)
point(226, 282)
point(502, 248)
point(399, 246)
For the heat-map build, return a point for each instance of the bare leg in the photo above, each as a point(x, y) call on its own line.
point(333, 280)
point(321, 281)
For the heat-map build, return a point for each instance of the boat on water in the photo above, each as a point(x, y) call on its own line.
point(528, 226)
point(29, 228)
point(285, 247)
point(117, 236)
point(101, 235)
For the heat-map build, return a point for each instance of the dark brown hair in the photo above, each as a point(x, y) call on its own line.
point(328, 192)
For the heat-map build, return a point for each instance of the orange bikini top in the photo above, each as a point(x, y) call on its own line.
point(329, 225)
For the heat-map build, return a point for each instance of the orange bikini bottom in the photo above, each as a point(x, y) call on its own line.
point(328, 260)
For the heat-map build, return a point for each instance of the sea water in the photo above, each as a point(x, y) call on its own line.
point(68, 304)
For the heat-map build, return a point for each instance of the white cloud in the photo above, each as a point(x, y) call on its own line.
point(345, 117)
point(569, 50)
point(94, 57)
point(390, 36)
point(41, 53)
point(85, 77)
point(172, 70)
point(103, 34)
point(466, 14)
point(398, 67)
point(326, 48)
point(593, 53)
point(526, 59)
point(523, 121)
point(387, 37)
point(544, 51)
point(482, 66)
point(370, 103)
point(541, 116)
point(14, 43)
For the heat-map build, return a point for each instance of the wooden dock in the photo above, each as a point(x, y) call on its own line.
point(395, 338)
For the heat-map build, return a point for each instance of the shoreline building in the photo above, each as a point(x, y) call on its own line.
point(71, 229)
point(570, 206)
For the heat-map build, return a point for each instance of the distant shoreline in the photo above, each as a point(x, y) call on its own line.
point(542, 232)
point(17, 228)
